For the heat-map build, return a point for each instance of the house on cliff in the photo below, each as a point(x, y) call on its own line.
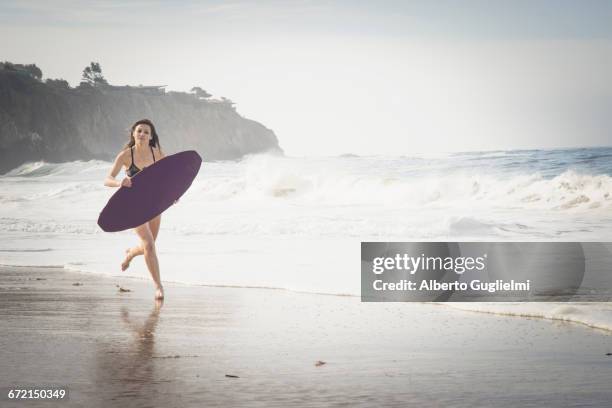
point(148, 90)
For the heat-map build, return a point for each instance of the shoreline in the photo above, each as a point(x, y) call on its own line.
point(235, 347)
point(566, 312)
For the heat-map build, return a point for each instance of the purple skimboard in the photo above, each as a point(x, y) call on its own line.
point(154, 189)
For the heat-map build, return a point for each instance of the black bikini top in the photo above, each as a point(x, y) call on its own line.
point(133, 169)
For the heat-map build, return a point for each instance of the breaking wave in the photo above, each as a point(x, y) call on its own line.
point(594, 315)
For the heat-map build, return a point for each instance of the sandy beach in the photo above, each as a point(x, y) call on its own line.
point(221, 346)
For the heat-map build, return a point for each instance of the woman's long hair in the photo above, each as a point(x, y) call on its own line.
point(154, 142)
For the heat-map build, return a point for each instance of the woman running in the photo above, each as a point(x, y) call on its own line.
point(141, 151)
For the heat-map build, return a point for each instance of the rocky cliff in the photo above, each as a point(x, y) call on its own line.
point(56, 123)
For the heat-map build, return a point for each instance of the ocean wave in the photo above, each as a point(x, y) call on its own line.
point(66, 190)
point(27, 250)
point(48, 226)
point(473, 226)
point(597, 315)
point(41, 168)
point(412, 182)
point(32, 266)
point(333, 183)
point(361, 197)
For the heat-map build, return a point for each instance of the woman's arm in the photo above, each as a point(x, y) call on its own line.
point(110, 180)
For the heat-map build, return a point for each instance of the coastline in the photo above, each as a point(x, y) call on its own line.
point(121, 347)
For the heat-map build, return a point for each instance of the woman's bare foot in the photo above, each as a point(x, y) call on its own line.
point(128, 258)
point(159, 293)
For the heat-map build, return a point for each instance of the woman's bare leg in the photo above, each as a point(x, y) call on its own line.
point(131, 253)
point(150, 256)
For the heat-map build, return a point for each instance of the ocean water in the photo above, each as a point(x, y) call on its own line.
point(297, 222)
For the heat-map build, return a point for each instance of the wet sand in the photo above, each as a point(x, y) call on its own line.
point(116, 348)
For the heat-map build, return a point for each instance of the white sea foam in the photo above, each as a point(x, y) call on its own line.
point(409, 182)
point(41, 168)
point(595, 315)
point(374, 182)
point(410, 197)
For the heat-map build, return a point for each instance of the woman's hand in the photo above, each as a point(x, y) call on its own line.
point(126, 182)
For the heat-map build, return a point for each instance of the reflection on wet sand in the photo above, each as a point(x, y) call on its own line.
point(127, 370)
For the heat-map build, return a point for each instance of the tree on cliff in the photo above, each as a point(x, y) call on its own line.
point(229, 102)
point(200, 93)
point(92, 75)
point(58, 83)
point(34, 71)
point(30, 69)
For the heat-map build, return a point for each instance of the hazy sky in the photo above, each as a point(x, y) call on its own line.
point(329, 77)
